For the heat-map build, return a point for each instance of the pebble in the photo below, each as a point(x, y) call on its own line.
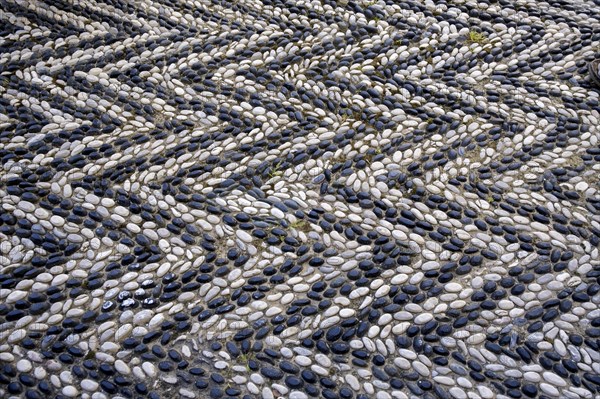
point(89, 385)
point(549, 389)
point(24, 366)
point(70, 391)
point(149, 369)
point(457, 393)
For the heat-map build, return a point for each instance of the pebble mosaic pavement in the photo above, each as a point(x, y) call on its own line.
point(298, 199)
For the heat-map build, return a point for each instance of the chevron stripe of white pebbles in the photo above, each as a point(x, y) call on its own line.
point(297, 199)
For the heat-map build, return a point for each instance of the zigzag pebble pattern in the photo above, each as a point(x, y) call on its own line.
point(297, 199)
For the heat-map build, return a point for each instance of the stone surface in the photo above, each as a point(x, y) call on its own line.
point(250, 199)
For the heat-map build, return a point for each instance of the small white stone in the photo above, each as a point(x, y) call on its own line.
point(122, 367)
point(149, 369)
point(26, 206)
point(186, 393)
point(242, 235)
point(15, 296)
point(485, 392)
point(421, 368)
point(221, 365)
point(142, 317)
point(123, 332)
point(24, 366)
point(353, 382)
point(423, 318)
point(257, 379)
point(549, 389)
point(89, 385)
point(303, 361)
point(458, 393)
point(554, 379)
point(70, 391)
point(298, 395)
point(323, 360)
point(453, 287)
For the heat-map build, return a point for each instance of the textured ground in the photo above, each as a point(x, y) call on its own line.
point(299, 199)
